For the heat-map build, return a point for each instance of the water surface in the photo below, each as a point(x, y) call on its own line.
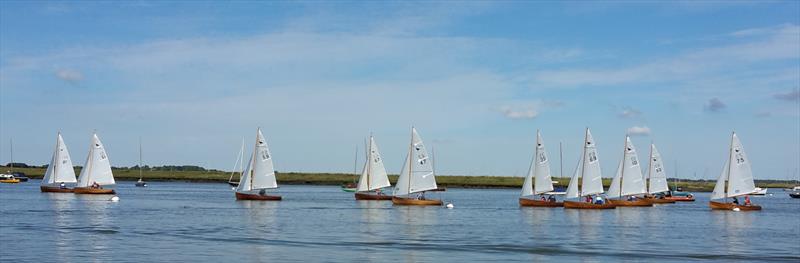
point(175, 221)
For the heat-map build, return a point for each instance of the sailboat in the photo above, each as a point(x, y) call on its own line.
point(258, 175)
point(538, 181)
point(96, 172)
point(9, 178)
point(657, 178)
point(60, 171)
point(628, 184)
point(591, 180)
point(373, 176)
point(417, 176)
point(739, 177)
point(140, 183)
point(353, 186)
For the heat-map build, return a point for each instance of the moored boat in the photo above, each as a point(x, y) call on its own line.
point(591, 188)
point(140, 182)
point(373, 177)
point(794, 194)
point(628, 184)
point(96, 172)
point(738, 175)
point(538, 182)
point(239, 163)
point(258, 175)
point(417, 176)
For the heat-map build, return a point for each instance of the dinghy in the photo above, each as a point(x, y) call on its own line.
point(60, 172)
point(96, 172)
point(628, 185)
point(538, 182)
point(416, 177)
point(738, 175)
point(588, 170)
point(373, 176)
point(258, 175)
point(657, 179)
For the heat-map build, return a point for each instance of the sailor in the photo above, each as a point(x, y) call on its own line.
point(747, 200)
point(62, 185)
point(262, 192)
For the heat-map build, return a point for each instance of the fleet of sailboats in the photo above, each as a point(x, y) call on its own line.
point(60, 171)
point(538, 182)
point(373, 177)
point(96, 172)
point(258, 177)
point(628, 186)
point(417, 176)
point(736, 180)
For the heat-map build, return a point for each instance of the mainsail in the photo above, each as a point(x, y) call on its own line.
point(417, 174)
point(658, 178)
point(259, 172)
point(97, 168)
point(60, 169)
point(592, 182)
point(373, 176)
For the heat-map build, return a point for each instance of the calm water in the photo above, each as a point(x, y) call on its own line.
point(202, 221)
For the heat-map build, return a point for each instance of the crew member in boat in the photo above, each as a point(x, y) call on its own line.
point(95, 185)
point(551, 198)
point(62, 185)
point(747, 200)
point(599, 200)
point(262, 192)
point(735, 200)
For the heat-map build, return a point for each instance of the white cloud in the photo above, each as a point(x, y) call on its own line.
point(528, 113)
point(69, 75)
point(629, 112)
point(639, 131)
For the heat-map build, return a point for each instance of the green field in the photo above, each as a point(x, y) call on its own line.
point(338, 178)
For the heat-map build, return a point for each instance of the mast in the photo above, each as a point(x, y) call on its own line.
point(583, 159)
point(11, 145)
point(239, 161)
point(140, 158)
point(560, 161)
point(410, 155)
point(355, 164)
point(649, 169)
point(728, 176)
point(622, 172)
point(369, 160)
point(253, 160)
point(91, 160)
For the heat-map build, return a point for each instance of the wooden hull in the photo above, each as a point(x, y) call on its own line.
point(731, 206)
point(410, 201)
point(680, 198)
point(660, 201)
point(585, 205)
point(371, 196)
point(54, 189)
point(639, 202)
point(539, 203)
point(257, 197)
point(93, 191)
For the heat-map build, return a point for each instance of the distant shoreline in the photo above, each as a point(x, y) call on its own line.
point(295, 178)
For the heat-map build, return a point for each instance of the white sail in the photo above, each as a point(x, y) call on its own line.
point(97, 168)
point(592, 182)
point(629, 179)
point(719, 187)
point(260, 172)
point(740, 180)
point(418, 175)
point(572, 189)
point(374, 174)
point(658, 178)
point(60, 169)
point(542, 181)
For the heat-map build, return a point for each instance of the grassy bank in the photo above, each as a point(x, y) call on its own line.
point(338, 178)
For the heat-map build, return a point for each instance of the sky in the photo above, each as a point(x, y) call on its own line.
point(193, 79)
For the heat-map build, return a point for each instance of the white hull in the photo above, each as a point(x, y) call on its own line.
point(760, 191)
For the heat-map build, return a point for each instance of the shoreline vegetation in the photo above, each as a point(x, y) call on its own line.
point(199, 174)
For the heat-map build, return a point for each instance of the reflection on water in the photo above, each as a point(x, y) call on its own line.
point(62, 221)
point(259, 226)
point(100, 227)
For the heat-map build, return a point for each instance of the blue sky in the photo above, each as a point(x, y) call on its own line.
point(476, 79)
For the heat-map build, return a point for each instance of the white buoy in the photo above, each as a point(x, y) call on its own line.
point(114, 199)
point(233, 188)
point(449, 206)
point(736, 209)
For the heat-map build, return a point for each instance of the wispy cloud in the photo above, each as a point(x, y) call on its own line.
point(512, 113)
point(714, 105)
point(69, 75)
point(793, 95)
point(629, 113)
point(639, 131)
